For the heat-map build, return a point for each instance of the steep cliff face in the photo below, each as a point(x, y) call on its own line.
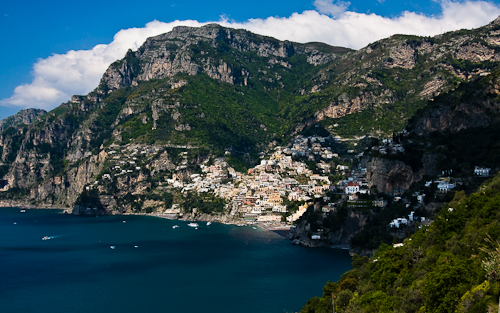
point(26, 117)
point(402, 72)
point(475, 104)
point(391, 175)
point(202, 50)
point(340, 237)
point(354, 222)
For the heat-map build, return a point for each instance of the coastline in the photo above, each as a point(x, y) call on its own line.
point(24, 205)
point(279, 229)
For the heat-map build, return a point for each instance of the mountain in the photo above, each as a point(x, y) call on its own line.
point(195, 94)
point(376, 89)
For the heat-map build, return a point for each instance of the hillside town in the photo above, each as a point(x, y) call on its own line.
point(265, 194)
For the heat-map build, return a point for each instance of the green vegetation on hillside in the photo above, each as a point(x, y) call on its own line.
point(449, 266)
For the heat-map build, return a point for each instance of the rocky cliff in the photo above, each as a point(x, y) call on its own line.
point(25, 117)
point(399, 74)
point(201, 50)
point(475, 104)
point(390, 175)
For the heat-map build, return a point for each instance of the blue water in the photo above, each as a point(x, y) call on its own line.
point(219, 268)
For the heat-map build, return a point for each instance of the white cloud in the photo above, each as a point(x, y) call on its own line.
point(328, 7)
point(58, 77)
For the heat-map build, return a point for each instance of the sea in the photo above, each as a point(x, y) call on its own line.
point(142, 264)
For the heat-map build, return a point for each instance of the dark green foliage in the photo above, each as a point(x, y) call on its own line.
point(204, 203)
point(168, 199)
point(90, 198)
point(16, 193)
point(439, 270)
point(105, 116)
point(4, 169)
point(336, 219)
point(376, 230)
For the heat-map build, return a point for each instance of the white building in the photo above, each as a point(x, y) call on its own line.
point(482, 171)
point(445, 186)
point(351, 187)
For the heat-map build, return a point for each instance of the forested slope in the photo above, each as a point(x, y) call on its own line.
point(450, 266)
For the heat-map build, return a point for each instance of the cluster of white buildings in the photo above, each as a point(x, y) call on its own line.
point(443, 185)
point(387, 146)
point(129, 160)
point(482, 171)
point(400, 221)
point(310, 146)
point(258, 195)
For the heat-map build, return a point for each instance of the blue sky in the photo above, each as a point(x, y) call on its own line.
point(50, 48)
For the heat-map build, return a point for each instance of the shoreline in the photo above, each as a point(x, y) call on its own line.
point(24, 205)
point(280, 230)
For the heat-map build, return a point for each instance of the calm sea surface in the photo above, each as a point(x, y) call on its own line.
point(153, 267)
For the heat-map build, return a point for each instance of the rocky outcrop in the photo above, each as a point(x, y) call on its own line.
point(476, 52)
point(190, 50)
point(403, 56)
point(478, 107)
point(26, 117)
point(345, 105)
point(354, 223)
point(390, 175)
point(301, 234)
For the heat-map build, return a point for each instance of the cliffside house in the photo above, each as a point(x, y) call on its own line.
point(351, 187)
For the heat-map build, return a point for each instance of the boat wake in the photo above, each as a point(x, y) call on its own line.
point(51, 237)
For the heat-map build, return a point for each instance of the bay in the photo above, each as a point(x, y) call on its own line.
point(153, 267)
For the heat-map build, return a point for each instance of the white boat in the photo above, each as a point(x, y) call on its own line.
point(22, 211)
point(193, 225)
point(46, 238)
point(209, 223)
point(112, 247)
point(175, 226)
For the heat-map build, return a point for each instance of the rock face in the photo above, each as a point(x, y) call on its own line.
point(187, 50)
point(391, 175)
point(404, 71)
point(354, 222)
point(477, 107)
point(26, 117)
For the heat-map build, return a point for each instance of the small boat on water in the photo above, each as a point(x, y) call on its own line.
point(209, 223)
point(22, 211)
point(193, 225)
point(112, 247)
point(46, 238)
point(175, 226)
